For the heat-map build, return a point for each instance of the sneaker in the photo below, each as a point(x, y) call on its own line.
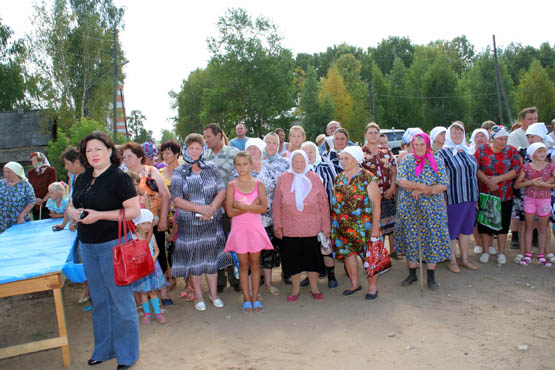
point(501, 259)
point(484, 258)
point(200, 306)
point(478, 249)
point(492, 251)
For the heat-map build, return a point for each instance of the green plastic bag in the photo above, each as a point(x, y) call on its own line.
point(490, 211)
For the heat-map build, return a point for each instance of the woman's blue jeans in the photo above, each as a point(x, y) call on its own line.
point(114, 315)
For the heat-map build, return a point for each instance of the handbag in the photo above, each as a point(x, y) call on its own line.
point(376, 259)
point(72, 269)
point(490, 211)
point(132, 258)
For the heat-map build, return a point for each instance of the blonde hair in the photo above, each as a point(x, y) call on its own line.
point(242, 154)
point(297, 128)
point(60, 188)
point(372, 124)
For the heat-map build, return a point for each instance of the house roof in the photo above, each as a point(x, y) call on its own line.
point(20, 129)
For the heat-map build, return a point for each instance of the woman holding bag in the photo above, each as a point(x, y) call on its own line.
point(355, 215)
point(99, 194)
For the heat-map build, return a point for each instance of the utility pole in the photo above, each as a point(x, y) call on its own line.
point(499, 107)
point(115, 107)
point(372, 101)
point(498, 72)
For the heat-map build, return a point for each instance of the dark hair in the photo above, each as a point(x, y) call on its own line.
point(71, 154)
point(171, 145)
point(278, 130)
point(215, 128)
point(194, 138)
point(135, 148)
point(525, 111)
point(341, 130)
point(105, 139)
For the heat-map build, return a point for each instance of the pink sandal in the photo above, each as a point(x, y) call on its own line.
point(187, 295)
point(543, 261)
point(526, 260)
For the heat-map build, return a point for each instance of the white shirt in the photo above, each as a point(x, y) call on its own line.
point(517, 139)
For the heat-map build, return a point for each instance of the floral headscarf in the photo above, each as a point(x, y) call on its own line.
point(189, 162)
point(150, 150)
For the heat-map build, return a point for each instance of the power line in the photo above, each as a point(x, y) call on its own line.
point(433, 97)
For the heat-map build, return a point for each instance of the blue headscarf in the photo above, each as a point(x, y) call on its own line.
point(189, 162)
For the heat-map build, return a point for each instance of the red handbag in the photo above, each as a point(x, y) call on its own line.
point(132, 259)
point(376, 258)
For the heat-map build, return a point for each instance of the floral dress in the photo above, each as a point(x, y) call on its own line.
point(13, 200)
point(495, 164)
point(351, 214)
point(430, 221)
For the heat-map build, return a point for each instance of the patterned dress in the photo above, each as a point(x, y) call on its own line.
point(351, 214)
point(381, 164)
point(434, 233)
point(199, 248)
point(13, 200)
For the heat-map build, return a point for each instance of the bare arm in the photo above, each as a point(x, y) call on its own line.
point(376, 200)
point(259, 205)
point(164, 199)
point(156, 250)
point(230, 210)
point(131, 207)
point(24, 212)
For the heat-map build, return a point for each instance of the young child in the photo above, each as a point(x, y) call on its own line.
point(58, 199)
point(537, 177)
point(245, 202)
point(150, 284)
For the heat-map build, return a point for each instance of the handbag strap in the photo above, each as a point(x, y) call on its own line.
point(120, 222)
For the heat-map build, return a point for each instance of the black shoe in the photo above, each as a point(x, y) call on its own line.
point(286, 280)
point(349, 291)
point(409, 280)
point(332, 283)
point(121, 367)
point(322, 275)
point(370, 296)
point(237, 287)
point(92, 362)
point(305, 283)
point(433, 285)
point(221, 289)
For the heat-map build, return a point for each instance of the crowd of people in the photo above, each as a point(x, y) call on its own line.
point(234, 210)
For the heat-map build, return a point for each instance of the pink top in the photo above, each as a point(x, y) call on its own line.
point(543, 175)
point(247, 217)
point(315, 216)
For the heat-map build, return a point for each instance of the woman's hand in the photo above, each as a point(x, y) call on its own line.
point(20, 219)
point(238, 205)
point(492, 184)
point(208, 211)
point(38, 201)
point(71, 226)
point(326, 234)
point(162, 224)
point(91, 218)
point(416, 194)
point(388, 194)
point(278, 233)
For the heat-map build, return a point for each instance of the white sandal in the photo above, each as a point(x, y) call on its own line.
point(518, 258)
point(200, 306)
point(550, 257)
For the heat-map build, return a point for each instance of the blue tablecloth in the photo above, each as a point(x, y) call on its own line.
point(33, 249)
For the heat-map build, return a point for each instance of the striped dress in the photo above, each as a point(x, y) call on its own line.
point(199, 248)
point(463, 179)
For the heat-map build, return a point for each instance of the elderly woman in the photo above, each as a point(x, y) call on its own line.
point(268, 171)
point(406, 142)
point(17, 197)
point(462, 192)
point(198, 193)
point(41, 176)
point(301, 212)
point(437, 135)
point(151, 153)
point(100, 193)
point(421, 212)
point(327, 174)
point(480, 136)
point(380, 161)
point(340, 142)
point(498, 166)
point(355, 217)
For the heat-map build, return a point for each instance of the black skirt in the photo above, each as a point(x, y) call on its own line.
point(301, 254)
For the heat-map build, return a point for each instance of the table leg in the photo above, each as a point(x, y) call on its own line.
point(60, 315)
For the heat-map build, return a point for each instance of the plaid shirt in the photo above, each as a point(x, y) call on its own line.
point(223, 160)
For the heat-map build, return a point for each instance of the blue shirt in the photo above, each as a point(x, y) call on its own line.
point(238, 143)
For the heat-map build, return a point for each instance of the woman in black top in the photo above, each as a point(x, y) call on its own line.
point(99, 193)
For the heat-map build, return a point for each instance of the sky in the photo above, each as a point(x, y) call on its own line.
point(166, 40)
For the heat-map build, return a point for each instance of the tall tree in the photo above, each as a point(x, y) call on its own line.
point(316, 112)
point(334, 89)
point(12, 81)
point(253, 73)
point(536, 89)
point(399, 104)
point(72, 53)
point(390, 48)
point(167, 135)
point(137, 131)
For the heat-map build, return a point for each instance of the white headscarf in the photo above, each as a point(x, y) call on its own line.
point(144, 216)
point(17, 169)
point(301, 185)
point(533, 147)
point(456, 147)
point(540, 130)
point(41, 163)
point(355, 152)
point(409, 134)
point(259, 143)
point(478, 130)
point(318, 159)
point(436, 131)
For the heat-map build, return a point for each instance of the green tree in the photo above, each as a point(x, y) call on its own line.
point(72, 54)
point(77, 132)
point(381, 96)
point(333, 88)
point(137, 131)
point(398, 114)
point(536, 89)
point(459, 51)
point(391, 48)
point(12, 79)
point(252, 74)
point(167, 135)
point(316, 112)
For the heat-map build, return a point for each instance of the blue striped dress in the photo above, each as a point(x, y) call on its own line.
point(199, 248)
point(462, 171)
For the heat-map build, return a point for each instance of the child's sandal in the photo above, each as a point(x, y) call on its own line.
point(257, 306)
point(161, 318)
point(526, 260)
point(246, 307)
point(518, 258)
point(550, 257)
point(543, 261)
point(146, 318)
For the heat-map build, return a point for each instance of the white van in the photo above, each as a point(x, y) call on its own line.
point(394, 137)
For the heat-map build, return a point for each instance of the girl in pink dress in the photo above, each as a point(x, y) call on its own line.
point(245, 202)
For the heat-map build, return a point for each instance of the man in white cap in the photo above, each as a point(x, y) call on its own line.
point(517, 138)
